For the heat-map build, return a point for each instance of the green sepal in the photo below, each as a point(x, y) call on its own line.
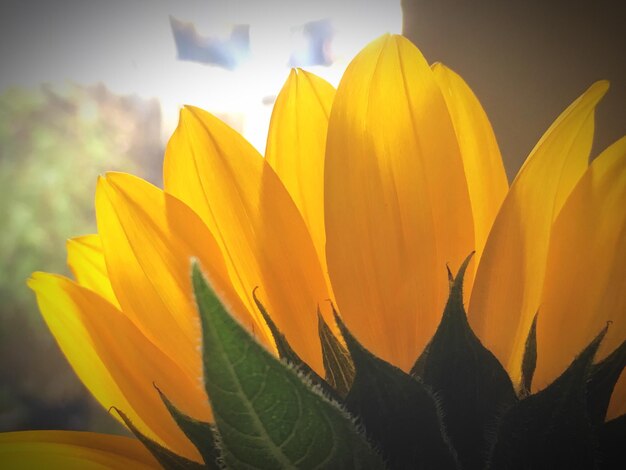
point(551, 429)
point(471, 385)
point(286, 352)
point(529, 360)
point(612, 439)
point(601, 382)
point(168, 459)
point(399, 414)
point(267, 415)
point(418, 367)
point(337, 361)
point(201, 434)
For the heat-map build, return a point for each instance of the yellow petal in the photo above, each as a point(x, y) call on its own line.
point(584, 284)
point(396, 200)
point(510, 276)
point(61, 314)
point(257, 226)
point(86, 260)
point(116, 362)
point(296, 144)
point(148, 239)
point(72, 450)
point(486, 179)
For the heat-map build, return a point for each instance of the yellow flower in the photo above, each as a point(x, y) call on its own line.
point(364, 195)
point(71, 450)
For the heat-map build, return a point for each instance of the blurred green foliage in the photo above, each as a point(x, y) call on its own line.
point(53, 145)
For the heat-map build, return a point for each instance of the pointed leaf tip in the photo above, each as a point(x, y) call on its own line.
point(168, 459)
point(267, 415)
point(589, 353)
point(450, 276)
point(350, 340)
point(601, 382)
point(457, 281)
point(286, 352)
point(529, 361)
point(201, 434)
point(557, 430)
point(399, 414)
point(471, 384)
point(337, 360)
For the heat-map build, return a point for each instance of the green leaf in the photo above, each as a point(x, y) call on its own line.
point(601, 383)
point(286, 352)
point(550, 429)
point(267, 415)
point(472, 386)
point(337, 361)
point(529, 361)
point(399, 415)
point(168, 459)
point(201, 434)
point(612, 439)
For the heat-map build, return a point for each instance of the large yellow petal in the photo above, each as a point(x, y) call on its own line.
point(148, 239)
point(64, 320)
point(510, 276)
point(86, 260)
point(116, 362)
point(486, 179)
point(72, 450)
point(396, 200)
point(296, 145)
point(256, 224)
point(586, 271)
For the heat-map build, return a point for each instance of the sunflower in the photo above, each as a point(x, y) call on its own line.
point(364, 195)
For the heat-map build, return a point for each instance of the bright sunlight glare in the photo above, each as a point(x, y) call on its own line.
point(131, 49)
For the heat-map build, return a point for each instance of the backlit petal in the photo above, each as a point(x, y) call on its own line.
point(64, 319)
point(149, 238)
point(486, 179)
point(86, 260)
point(116, 362)
point(72, 450)
point(256, 224)
point(586, 271)
point(396, 200)
point(296, 145)
point(510, 276)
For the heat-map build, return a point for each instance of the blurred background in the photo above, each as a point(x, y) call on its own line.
point(88, 86)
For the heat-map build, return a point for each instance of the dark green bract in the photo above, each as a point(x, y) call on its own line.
point(457, 409)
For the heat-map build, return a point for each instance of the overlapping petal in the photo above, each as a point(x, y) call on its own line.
point(296, 145)
point(486, 179)
point(148, 239)
point(65, 320)
point(71, 450)
point(257, 226)
point(116, 361)
point(586, 271)
point(397, 206)
point(86, 261)
point(509, 279)
point(374, 188)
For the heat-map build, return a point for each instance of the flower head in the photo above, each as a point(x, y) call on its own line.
point(363, 197)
